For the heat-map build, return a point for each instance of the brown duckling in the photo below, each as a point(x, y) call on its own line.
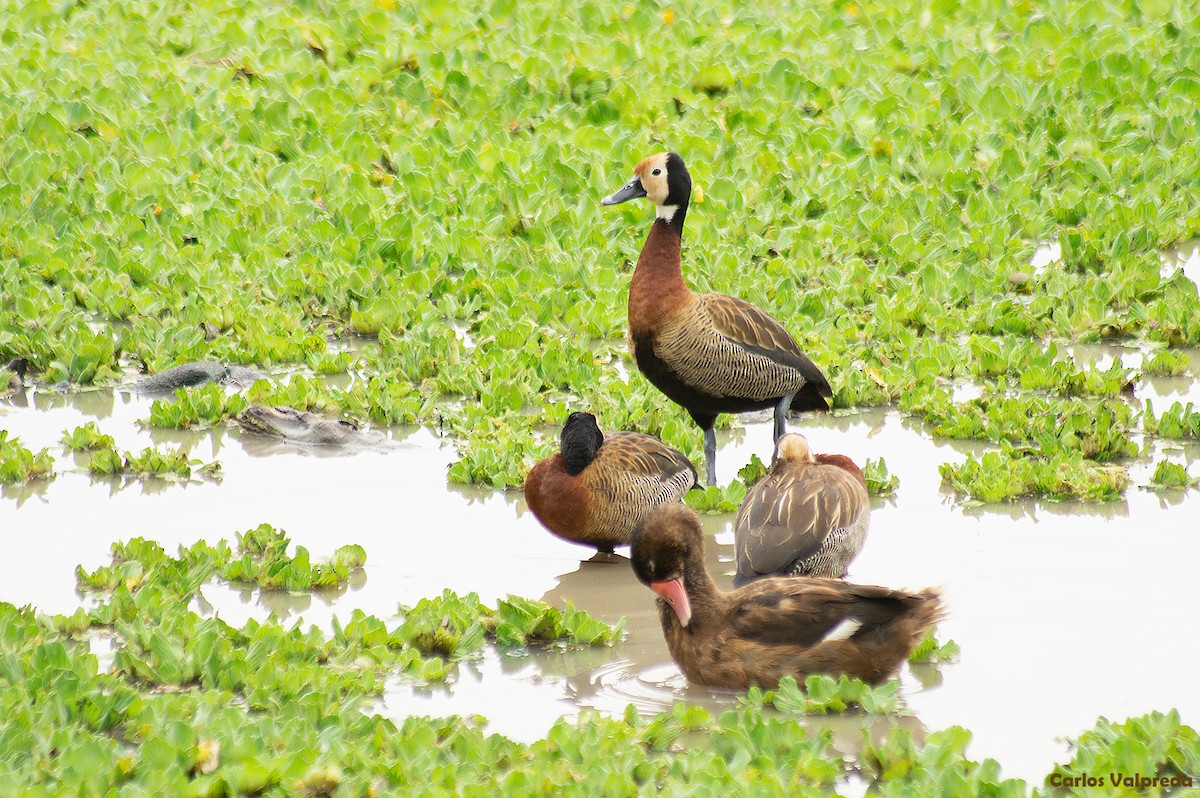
point(709, 353)
point(807, 517)
point(772, 627)
point(597, 488)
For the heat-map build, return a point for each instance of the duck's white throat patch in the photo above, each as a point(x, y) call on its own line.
point(666, 212)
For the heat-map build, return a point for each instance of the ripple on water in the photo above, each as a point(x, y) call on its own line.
point(615, 685)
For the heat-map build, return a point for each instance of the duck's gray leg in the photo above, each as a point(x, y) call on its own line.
point(710, 455)
point(781, 415)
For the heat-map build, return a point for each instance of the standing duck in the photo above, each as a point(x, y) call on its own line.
point(597, 489)
point(709, 353)
point(807, 517)
point(772, 627)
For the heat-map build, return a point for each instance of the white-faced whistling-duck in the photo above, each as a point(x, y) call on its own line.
point(709, 353)
point(598, 488)
point(807, 517)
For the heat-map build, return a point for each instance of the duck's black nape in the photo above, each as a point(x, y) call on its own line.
point(679, 190)
point(579, 441)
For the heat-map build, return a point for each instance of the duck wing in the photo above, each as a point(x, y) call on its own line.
point(634, 464)
point(801, 611)
point(751, 328)
point(790, 513)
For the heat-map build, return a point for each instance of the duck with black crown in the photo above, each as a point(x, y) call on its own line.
point(709, 353)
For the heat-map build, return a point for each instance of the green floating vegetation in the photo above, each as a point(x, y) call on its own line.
point(144, 583)
point(1151, 755)
point(930, 650)
point(823, 694)
point(10, 382)
point(1166, 363)
point(108, 461)
point(1168, 475)
point(1062, 377)
point(879, 481)
point(1179, 421)
point(455, 626)
point(380, 399)
point(18, 464)
point(1050, 448)
point(87, 438)
point(1010, 474)
point(265, 563)
point(753, 471)
point(499, 457)
point(261, 560)
point(717, 498)
point(299, 178)
point(196, 407)
point(1096, 431)
point(900, 766)
point(193, 706)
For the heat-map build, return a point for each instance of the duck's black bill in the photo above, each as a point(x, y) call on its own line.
point(631, 190)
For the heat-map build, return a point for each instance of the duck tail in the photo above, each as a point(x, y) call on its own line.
point(884, 645)
point(928, 610)
point(815, 395)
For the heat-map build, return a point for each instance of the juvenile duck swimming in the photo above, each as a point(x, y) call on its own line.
point(772, 627)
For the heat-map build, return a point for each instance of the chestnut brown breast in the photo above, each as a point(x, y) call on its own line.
point(631, 474)
point(711, 352)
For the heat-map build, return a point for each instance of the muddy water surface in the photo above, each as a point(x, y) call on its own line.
point(1064, 612)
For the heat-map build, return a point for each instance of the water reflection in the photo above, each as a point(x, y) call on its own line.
point(22, 492)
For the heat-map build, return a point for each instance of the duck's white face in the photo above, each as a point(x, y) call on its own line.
point(652, 172)
point(649, 181)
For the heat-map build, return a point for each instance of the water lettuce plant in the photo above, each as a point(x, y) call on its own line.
point(880, 482)
point(717, 498)
point(18, 464)
point(1169, 475)
point(193, 707)
point(191, 407)
point(1166, 363)
point(899, 765)
point(1123, 758)
point(1010, 474)
point(753, 471)
point(265, 562)
point(455, 626)
point(931, 650)
point(391, 177)
point(1098, 431)
point(86, 438)
point(150, 462)
point(823, 694)
point(1179, 421)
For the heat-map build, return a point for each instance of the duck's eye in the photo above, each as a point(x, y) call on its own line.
point(656, 172)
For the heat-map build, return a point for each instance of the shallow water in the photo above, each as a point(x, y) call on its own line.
point(1064, 612)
